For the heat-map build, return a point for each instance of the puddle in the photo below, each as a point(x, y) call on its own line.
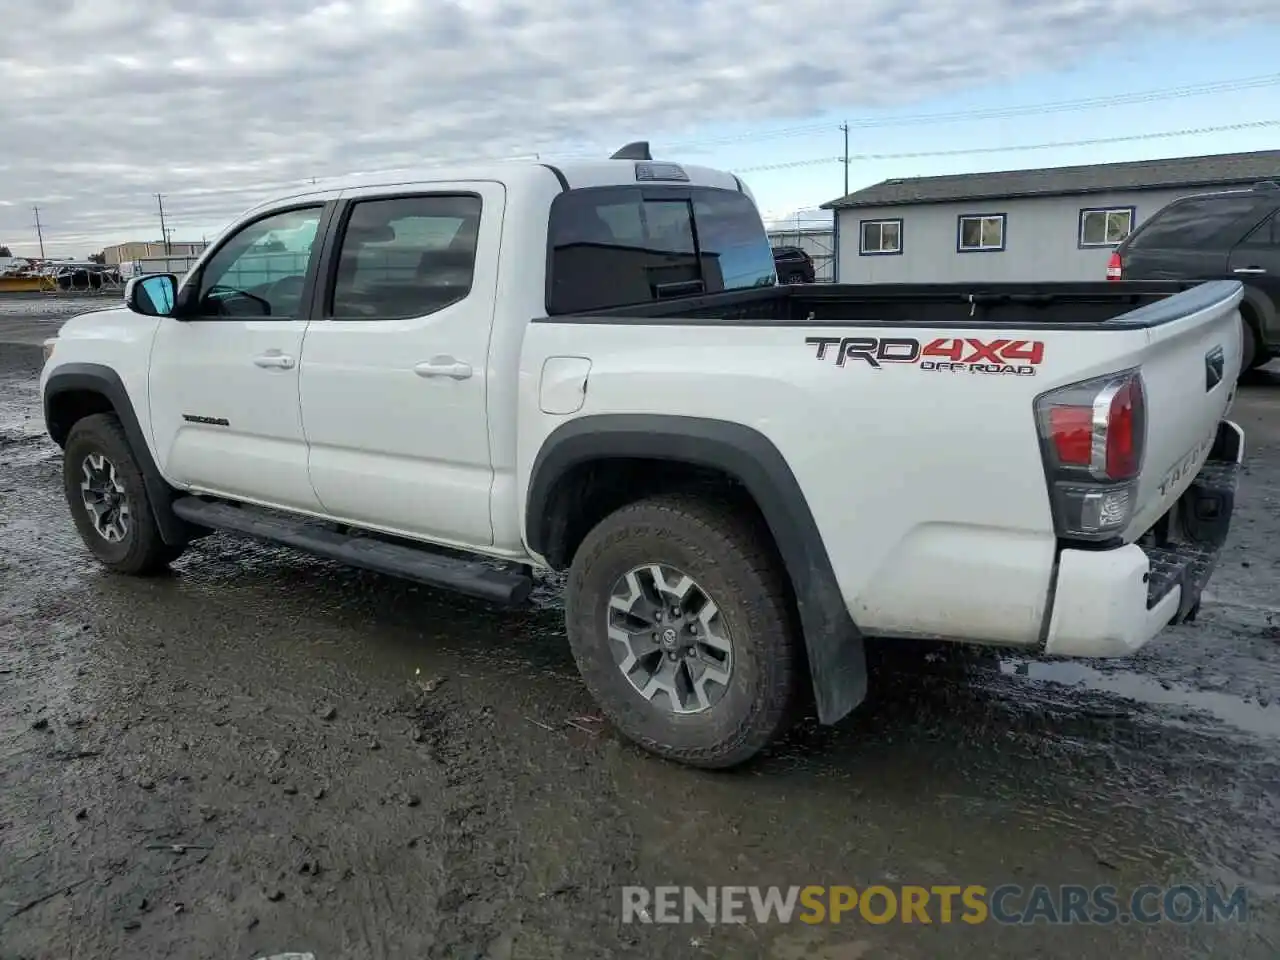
point(1252, 718)
point(53, 308)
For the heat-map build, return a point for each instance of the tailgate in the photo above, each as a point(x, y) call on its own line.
point(1189, 370)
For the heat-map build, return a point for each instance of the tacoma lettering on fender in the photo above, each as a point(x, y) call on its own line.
point(591, 368)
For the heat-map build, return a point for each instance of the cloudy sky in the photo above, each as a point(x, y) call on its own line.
point(215, 103)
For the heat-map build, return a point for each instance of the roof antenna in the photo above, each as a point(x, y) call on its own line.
point(639, 150)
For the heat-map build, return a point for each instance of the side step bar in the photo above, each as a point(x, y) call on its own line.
point(475, 578)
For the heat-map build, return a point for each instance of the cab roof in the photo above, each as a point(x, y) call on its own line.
point(529, 174)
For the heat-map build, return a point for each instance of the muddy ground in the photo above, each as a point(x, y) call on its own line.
point(263, 752)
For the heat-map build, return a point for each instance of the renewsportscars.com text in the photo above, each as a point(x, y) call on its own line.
point(972, 904)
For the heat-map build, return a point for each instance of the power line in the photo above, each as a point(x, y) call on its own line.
point(1095, 141)
point(200, 210)
point(1147, 96)
point(1091, 142)
point(997, 113)
point(1088, 103)
point(212, 211)
point(1172, 93)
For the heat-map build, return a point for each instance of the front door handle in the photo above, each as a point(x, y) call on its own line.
point(443, 367)
point(1248, 270)
point(274, 361)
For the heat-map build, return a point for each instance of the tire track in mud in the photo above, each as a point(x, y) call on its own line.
point(486, 865)
point(518, 865)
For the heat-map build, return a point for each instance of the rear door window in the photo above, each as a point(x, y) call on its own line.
point(405, 256)
point(1266, 234)
point(615, 246)
point(1199, 222)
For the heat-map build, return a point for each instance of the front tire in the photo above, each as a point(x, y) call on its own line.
point(678, 618)
point(108, 499)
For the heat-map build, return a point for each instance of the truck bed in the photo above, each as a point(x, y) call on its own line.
point(1105, 305)
point(924, 465)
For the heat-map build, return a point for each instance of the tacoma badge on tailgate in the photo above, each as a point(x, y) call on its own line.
point(1188, 463)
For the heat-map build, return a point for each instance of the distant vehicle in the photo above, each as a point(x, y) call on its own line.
point(590, 368)
point(12, 266)
point(794, 265)
point(84, 275)
point(1234, 234)
point(148, 265)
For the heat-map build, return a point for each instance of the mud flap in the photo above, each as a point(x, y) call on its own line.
point(837, 658)
point(1202, 521)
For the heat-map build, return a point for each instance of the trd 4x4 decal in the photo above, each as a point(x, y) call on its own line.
point(944, 354)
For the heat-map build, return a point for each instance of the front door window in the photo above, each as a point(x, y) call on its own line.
point(261, 271)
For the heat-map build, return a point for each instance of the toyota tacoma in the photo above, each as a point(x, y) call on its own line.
point(469, 376)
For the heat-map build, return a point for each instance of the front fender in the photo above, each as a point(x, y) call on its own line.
point(95, 378)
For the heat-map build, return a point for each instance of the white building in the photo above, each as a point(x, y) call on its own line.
point(1056, 223)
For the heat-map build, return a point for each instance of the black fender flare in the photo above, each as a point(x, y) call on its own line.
point(96, 378)
point(837, 660)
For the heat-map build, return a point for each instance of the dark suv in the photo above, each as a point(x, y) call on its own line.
point(1234, 235)
point(794, 265)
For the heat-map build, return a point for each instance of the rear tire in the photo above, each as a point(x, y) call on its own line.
point(733, 689)
point(108, 499)
point(1250, 355)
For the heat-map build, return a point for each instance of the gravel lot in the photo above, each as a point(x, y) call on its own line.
point(263, 752)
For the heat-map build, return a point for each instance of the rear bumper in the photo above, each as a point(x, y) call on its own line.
point(1109, 603)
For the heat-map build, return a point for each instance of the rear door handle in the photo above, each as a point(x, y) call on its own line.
point(274, 361)
point(1248, 270)
point(443, 367)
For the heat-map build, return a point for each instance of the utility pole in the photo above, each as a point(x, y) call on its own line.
point(163, 232)
point(835, 214)
point(39, 231)
point(845, 127)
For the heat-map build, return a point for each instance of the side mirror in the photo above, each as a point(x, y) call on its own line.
point(152, 296)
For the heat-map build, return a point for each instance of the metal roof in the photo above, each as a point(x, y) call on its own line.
point(1215, 170)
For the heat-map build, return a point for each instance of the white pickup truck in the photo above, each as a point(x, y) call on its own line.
point(461, 377)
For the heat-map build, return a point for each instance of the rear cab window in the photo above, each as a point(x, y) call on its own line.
point(1197, 223)
point(620, 246)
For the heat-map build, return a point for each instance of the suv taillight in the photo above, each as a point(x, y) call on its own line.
point(1092, 436)
point(1115, 267)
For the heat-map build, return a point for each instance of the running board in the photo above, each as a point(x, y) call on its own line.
point(475, 578)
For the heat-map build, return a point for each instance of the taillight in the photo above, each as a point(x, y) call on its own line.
point(1115, 267)
point(1125, 421)
point(1071, 429)
point(1092, 437)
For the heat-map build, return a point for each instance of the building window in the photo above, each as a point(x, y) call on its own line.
point(980, 232)
point(880, 237)
point(1105, 227)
